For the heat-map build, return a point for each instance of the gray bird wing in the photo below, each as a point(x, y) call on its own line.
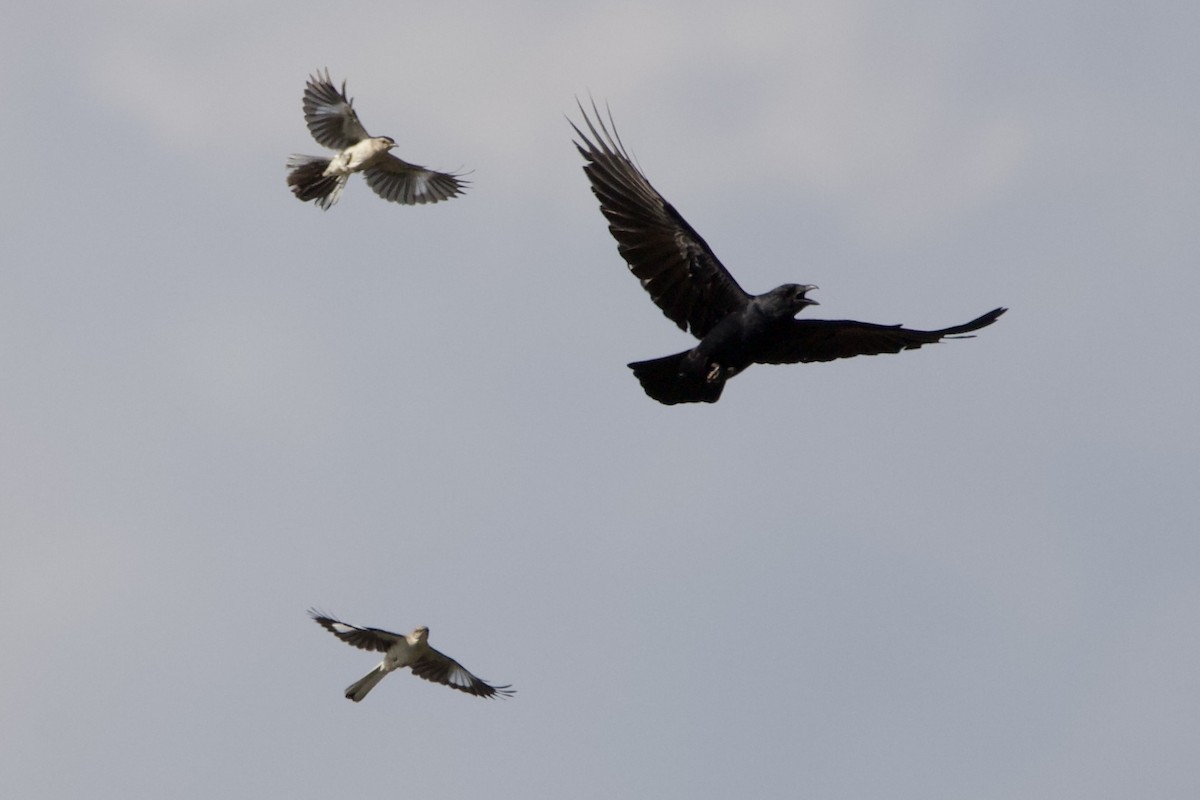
point(394, 179)
point(363, 638)
point(805, 340)
point(683, 276)
point(440, 668)
point(330, 114)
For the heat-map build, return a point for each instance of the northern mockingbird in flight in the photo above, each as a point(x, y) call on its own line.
point(412, 651)
point(691, 286)
point(331, 119)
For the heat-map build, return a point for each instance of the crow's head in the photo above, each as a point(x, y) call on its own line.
point(792, 297)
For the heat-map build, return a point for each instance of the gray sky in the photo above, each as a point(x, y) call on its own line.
point(964, 572)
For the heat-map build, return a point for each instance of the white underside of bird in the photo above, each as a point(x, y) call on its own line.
point(405, 652)
point(359, 156)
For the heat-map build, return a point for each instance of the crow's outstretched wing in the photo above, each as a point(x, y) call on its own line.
point(683, 276)
point(330, 114)
point(803, 340)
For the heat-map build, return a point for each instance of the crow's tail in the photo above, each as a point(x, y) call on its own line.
point(668, 381)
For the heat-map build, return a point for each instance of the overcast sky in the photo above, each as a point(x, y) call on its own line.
point(969, 571)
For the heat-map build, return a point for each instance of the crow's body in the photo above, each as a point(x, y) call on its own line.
point(699, 374)
point(691, 286)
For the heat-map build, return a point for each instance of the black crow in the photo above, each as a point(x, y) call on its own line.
point(693, 288)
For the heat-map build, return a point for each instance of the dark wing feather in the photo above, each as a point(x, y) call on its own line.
point(396, 180)
point(804, 340)
point(683, 276)
point(363, 638)
point(440, 668)
point(330, 114)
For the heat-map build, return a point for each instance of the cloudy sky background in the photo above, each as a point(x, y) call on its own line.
point(966, 571)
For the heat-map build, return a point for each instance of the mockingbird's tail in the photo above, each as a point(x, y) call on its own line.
point(309, 181)
point(668, 381)
point(358, 690)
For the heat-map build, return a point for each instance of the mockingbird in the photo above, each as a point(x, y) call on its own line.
point(333, 122)
point(691, 286)
point(412, 651)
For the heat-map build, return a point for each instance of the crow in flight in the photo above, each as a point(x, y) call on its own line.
point(685, 279)
point(333, 122)
point(412, 651)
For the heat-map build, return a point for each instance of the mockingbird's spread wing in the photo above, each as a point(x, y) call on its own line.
point(440, 668)
point(373, 639)
point(683, 276)
point(806, 340)
point(397, 180)
point(330, 114)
